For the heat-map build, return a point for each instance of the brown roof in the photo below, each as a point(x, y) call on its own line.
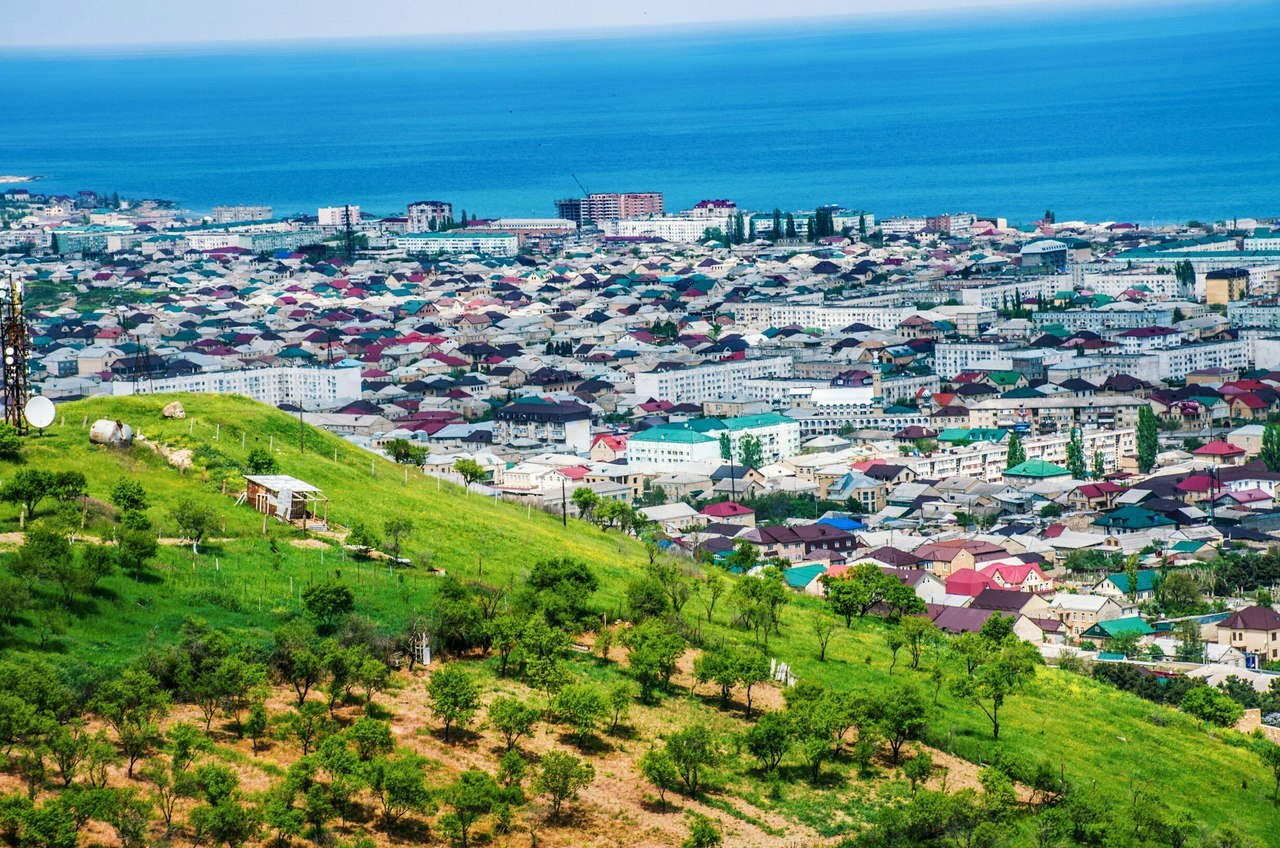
point(1253, 618)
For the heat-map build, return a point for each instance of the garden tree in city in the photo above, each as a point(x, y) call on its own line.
point(902, 714)
point(695, 750)
point(769, 739)
point(702, 833)
point(404, 452)
point(1099, 466)
point(653, 649)
point(1016, 454)
point(471, 797)
point(1075, 456)
point(133, 704)
point(900, 599)
point(1270, 454)
point(1148, 439)
point(398, 785)
point(396, 527)
point(1269, 753)
point(1131, 576)
point(585, 500)
point(512, 718)
point(453, 697)
point(1051, 510)
point(328, 601)
point(470, 471)
point(560, 778)
point(1210, 704)
point(260, 461)
point(709, 588)
point(1000, 669)
point(918, 770)
point(919, 633)
point(582, 707)
point(561, 589)
point(856, 591)
point(295, 660)
point(750, 452)
point(128, 495)
point(659, 768)
point(824, 627)
point(10, 441)
point(1190, 642)
point(996, 629)
point(194, 520)
point(1178, 593)
point(362, 538)
point(745, 557)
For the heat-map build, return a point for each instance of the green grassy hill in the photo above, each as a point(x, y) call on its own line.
point(242, 579)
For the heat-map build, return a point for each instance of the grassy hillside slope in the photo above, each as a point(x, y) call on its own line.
point(1092, 732)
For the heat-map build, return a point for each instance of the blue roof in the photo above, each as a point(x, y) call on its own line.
point(842, 523)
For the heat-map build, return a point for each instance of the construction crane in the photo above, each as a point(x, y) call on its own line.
point(585, 192)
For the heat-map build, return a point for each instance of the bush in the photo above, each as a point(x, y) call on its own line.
point(1211, 705)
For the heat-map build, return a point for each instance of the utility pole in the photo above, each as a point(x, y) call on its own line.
point(302, 445)
point(564, 503)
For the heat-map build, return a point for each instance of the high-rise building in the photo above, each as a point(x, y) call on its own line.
point(421, 213)
point(339, 216)
point(610, 206)
point(236, 214)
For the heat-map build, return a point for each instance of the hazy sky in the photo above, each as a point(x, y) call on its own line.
point(122, 22)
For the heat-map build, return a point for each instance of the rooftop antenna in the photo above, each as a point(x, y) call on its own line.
point(13, 328)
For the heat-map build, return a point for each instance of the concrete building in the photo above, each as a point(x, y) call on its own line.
point(1253, 630)
point(341, 217)
point(1049, 416)
point(422, 213)
point(555, 425)
point(674, 228)
point(460, 241)
point(306, 387)
point(1223, 286)
point(606, 206)
point(702, 383)
point(237, 214)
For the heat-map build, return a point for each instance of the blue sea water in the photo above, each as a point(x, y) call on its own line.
point(1147, 113)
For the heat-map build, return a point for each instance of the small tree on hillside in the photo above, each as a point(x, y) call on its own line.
point(128, 495)
point(1270, 453)
point(470, 471)
point(328, 601)
point(10, 441)
point(396, 528)
point(194, 520)
point(453, 697)
point(560, 777)
point(260, 461)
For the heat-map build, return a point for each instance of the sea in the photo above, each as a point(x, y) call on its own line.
point(1144, 113)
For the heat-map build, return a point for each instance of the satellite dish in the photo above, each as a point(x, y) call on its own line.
point(39, 412)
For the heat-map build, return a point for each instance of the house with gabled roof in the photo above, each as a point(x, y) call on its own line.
point(1254, 630)
point(1116, 586)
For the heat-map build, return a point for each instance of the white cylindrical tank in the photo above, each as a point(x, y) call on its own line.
point(107, 432)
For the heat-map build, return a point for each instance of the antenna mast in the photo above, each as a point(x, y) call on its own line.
point(13, 327)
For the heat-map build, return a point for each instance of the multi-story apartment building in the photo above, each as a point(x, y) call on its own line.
point(1052, 415)
point(1178, 362)
point(673, 228)
point(988, 460)
point(903, 226)
point(701, 383)
point(339, 216)
point(999, 294)
point(694, 446)
point(236, 214)
point(556, 425)
point(778, 313)
point(606, 206)
point(297, 385)
point(1114, 316)
point(422, 213)
point(460, 241)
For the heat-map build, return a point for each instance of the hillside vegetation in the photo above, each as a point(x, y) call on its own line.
point(1131, 755)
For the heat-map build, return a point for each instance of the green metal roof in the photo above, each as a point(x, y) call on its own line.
point(1037, 468)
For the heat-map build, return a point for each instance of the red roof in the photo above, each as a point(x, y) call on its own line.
point(1219, 448)
point(967, 582)
point(726, 509)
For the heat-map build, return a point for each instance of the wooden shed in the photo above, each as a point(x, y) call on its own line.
point(288, 499)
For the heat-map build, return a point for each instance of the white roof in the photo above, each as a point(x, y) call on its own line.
point(280, 483)
point(1085, 603)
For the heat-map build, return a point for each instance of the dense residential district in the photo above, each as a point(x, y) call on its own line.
point(1067, 424)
